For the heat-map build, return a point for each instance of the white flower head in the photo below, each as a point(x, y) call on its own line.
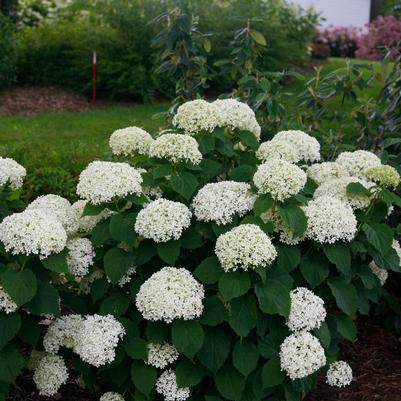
point(197, 116)
point(163, 220)
point(301, 354)
point(161, 355)
point(11, 173)
point(339, 374)
point(244, 247)
point(101, 182)
point(330, 220)
point(97, 339)
point(307, 146)
point(279, 178)
point(307, 310)
point(111, 396)
point(176, 148)
point(32, 232)
point(87, 223)
point(322, 172)
point(281, 150)
point(50, 374)
point(130, 141)
point(7, 305)
point(357, 162)
point(381, 274)
point(221, 201)
point(80, 256)
point(237, 115)
point(171, 293)
point(166, 385)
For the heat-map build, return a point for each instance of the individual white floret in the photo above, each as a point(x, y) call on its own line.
point(80, 256)
point(339, 374)
point(111, 396)
point(130, 141)
point(161, 355)
point(278, 150)
point(50, 374)
point(11, 173)
point(166, 385)
point(322, 172)
point(7, 305)
point(87, 223)
point(357, 162)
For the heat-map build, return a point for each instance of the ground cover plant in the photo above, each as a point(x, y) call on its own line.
point(198, 264)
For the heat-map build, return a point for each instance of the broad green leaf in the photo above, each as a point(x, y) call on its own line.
point(185, 184)
point(206, 143)
point(340, 255)
point(242, 173)
point(46, 300)
point(100, 234)
point(92, 210)
point(187, 336)
point(169, 251)
point(345, 295)
point(11, 364)
point(262, 204)
point(272, 375)
point(162, 170)
point(136, 348)
point(122, 227)
point(323, 334)
point(294, 217)
point(248, 138)
point(245, 357)
point(115, 304)
point(315, 268)
point(9, 327)
point(258, 37)
point(191, 239)
point(20, 285)
point(289, 256)
point(143, 376)
point(158, 332)
point(244, 314)
point(56, 262)
point(357, 189)
point(229, 382)
point(215, 349)
point(346, 327)
point(210, 168)
point(116, 263)
point(234, 284)
point(214, 311)
point(146, 250)
point(209, 270)
point(274, 297)
point(30, 332)
point(99, 288)
point(379, 235)
point(188, 374)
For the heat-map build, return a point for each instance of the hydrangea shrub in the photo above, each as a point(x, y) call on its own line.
point(199, 264)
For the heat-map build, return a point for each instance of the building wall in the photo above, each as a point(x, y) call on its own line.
point(340, 12)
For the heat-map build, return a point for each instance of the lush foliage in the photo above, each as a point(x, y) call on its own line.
point(7, 52)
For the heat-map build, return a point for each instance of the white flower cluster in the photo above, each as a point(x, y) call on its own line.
point(176, 148)
point(301, 354)
point(161, 355)
point(339, 374)
point(396, 246)
point(237, 115)
point(196, 116)
point(163, 220)
point(166, 385)
point(322, 172)
point(32, 232)
point(357, 162)
point(80, 256)
point(130, 141)
point(330, 220)
point(7, 305)
point(381, 274)
point(244, 247)
point(337, 188)
point(127, 276)
point(279, 178)
point(87, 223)
point(11, 173)
point(277, 150)
point(59, 207)
point(221, 201)
point(50, 374)
point(307, 146)
point(101, 182)
point(307, 310)
point(110, 396)
point(169, 294)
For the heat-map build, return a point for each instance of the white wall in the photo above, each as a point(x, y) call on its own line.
point(340, 12)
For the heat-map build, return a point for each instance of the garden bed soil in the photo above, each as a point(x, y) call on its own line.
point(375, 358)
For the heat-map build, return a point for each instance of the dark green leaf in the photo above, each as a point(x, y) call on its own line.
point(56, 262)
point(92, 210)
point(244, 314)
point(357, 189)
point(187, 336)
point(146, 250)
point(262, 204)
point(242, 173)
point(294, 217)
point(185, 184)
point(116, 263)
point(346, 327)
point(136, 348)
point(248, 138)
point(214, 311)
point(230, 383)
point(116, 304)
point(188, 374)
point(215, 349)
point(143, 376)
point(209, 271)
point(379, 235)
point(274, 297)
point(210, 168)
point(99, 288)
point(206, 143)
point(323, 334)
point(340, 255)
point(46, 300)
point(245, 357)
point(169, 251)
point(289, 257)
point(315, 269)
point(272, 375)
point(122, 227)
point(20, 285)
point(11, 364)
point(9, 327)
point(345, 295)
point(234, 284)
point(100, 234)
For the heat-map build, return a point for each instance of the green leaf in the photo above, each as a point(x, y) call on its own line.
point(146, 250)
point(323, 334)
point(215, 349)
point(187, 336)
point(191, 239)
point(21, 286)
point(122, 227)
point(162, 170)
point(346, 327)
point(230, 383)
point(11, 364)
point(214, 312)
point(56, 262)
point(9, 327)
point(234, 284)
point(345, 295)
point(116, 263)
point(185, 184)
point(209, 271)
point(357, 189)
point(210, 168)
point(379, 235)
point(245, 357)
point(340, 255)
point(136, 348)
point(99, 288)
point(188, 374)
point(242, 173)
point(258, 37)
point(169, 251)
point(248, 138)
point(100, 234)
point(314, 268)
point(46, 300)
point(30, 332)
point(116, 304)
point(244, 314)
point(274, 297)
point(92, 210)
point(289, 257)
point(272, 375)
point(262, 204)
point(294, 217)
point(143, 376)
point(206, 143)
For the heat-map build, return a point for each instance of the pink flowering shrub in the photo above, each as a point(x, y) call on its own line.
point(384, 33)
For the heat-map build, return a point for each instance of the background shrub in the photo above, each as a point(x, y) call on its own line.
point(7, 52)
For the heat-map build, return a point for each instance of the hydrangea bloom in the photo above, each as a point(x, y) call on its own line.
point(163, 220)
point(244, 247)
point(307, 310)
point(50, 374)
point(322, 172)
point(301, 355)
point(237, 115)
point(380, 273)
point(307, 146)
point(279, 178)
point(221, 201)
point(385, 176)
point(101, 182)
point(80, 256)
point(127, 276)
point(396, 246)
point(130, 141)
point(176, 148)
point(170, 294)
point(32, 232)
point(337, 188)
point(97, 339)
point(110, 396)
point(196, 116)
point(59, 207)
point(87, 223)
point(7, 305)
point(166, 385)
point(339, 374)
point(330, 220)
point(161, 355)
point(11, 173)
point(357, 162)
point(278, 150)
